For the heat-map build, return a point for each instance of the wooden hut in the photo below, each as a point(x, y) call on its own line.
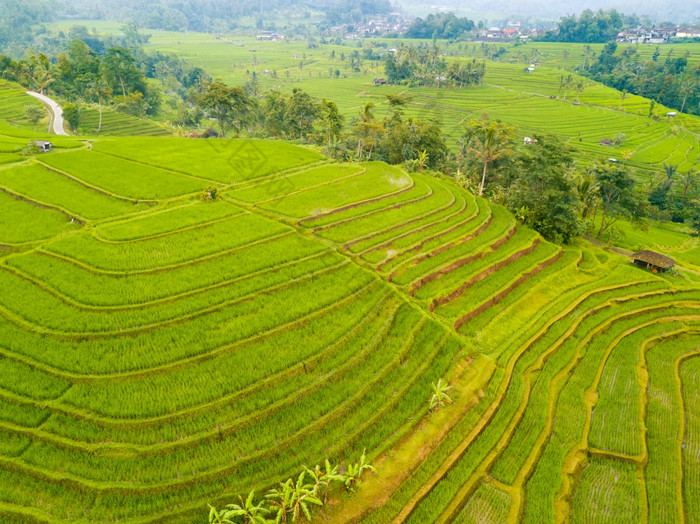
point(653, 260)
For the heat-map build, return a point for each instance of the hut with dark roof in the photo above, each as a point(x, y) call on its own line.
point(653, 260)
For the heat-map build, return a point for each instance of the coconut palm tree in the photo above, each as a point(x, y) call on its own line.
point(688, 181)
point(100, 90)
point(489, 141)
point(440, 396)
point(251, 513)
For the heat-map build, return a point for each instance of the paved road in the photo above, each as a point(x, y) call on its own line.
point(55, 112)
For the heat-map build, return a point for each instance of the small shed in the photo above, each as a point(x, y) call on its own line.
point(653, 260)
point(527, 140)
point(379, 81)
point(671, 114)
point(606, 142)
point(43, 146)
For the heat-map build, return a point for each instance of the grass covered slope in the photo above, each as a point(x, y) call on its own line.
point(159, 351)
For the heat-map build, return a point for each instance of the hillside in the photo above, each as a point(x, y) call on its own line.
point(159, 351)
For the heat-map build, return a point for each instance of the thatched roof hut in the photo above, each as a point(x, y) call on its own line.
point(653, 260)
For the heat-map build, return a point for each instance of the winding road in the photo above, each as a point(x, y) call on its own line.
point(55, 112)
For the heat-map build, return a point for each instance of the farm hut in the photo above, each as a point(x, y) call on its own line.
point(527, 140)
point(671, 114)
point(653, 260)
point(43, 146)
point(606, 142)
point(379, 81)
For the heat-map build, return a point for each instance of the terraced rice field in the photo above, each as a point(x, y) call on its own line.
point(159, 352)
point(118, 124)
point(534, 103)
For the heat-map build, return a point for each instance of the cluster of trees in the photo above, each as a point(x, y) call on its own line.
point(540, 183)
point(118, 77)
point(299, 116)
point(671, 81)
point(589, 27)
point(294, 499)
point(427, 66)
point(443, 25)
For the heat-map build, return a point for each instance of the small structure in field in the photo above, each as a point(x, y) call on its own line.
point(379, 81)
point(606, 142)
point(653, 260)
point(671, 114)
point(44, 146)
point(527, 140)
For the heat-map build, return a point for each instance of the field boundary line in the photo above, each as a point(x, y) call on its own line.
point(120, 448)
point(72, 301)
point(30, 325)
point(340, 209)
point(682, 428)
point(485, 419)
point(97, 189)
point(576, 458)
point(145, 422)
point(189, 360)
point(393, 227)
point(451, 229)
point(95, 232)
point(161, 269)
point(388, 243)
point(396, 205)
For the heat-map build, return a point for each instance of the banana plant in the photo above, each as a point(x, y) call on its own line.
point(219, 517)
point(280, 500)
point(354, 471)
point(440, 396)
point(303, 495)
point(252, 513)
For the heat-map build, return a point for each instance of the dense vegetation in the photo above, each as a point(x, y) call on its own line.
point(589, 27)
point(674, 82)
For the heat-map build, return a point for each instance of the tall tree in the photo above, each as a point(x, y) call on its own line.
point(618, 198)
point(230, 106)
point(488, 141)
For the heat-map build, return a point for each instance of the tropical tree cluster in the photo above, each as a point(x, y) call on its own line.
point(589, 27)
point(441, 25)
point(294, 499)
point(87, 72)
point(543, 187)
point(672, 81)
point(427, 66)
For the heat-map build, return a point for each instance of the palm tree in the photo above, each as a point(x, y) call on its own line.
point(580, 86)
point(280, 499)
point(251, 513)
point(623, 95)
point(689, 180)
point(440, 396)
point(489, 141)
point(354, 471)
point(100, 90)
point(219, 517)
point(670, 171)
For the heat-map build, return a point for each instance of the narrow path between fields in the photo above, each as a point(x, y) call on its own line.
point(55, 113)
